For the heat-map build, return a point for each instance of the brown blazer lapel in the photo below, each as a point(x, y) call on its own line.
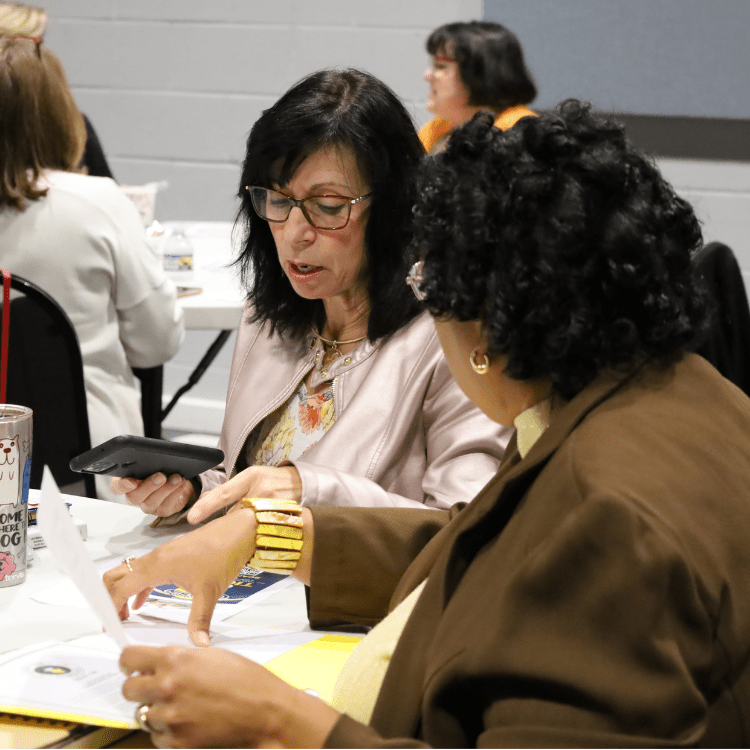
point(426, 560)
point(445, 559)
point(449, 553)
point(487, 520)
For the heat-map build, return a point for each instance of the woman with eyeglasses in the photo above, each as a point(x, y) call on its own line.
point(339, 393)
point(594, 594)
point(475, 65)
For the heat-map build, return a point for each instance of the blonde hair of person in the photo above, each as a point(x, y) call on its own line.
point(22, 20)
point(40, 124)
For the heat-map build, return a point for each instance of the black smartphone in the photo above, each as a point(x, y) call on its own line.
point(140, 457)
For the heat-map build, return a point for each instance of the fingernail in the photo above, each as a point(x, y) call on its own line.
point(127, 485)
point(159, 479)
point(202, 639)
point(175, 480)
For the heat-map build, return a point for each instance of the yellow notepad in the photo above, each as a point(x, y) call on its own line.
point(29, 731)
point(18, 731)
point(315, 665)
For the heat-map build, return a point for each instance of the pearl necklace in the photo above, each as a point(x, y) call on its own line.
point(334, 352)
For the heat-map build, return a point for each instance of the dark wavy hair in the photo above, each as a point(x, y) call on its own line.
point(353, 110)
point(490, 62)
point(564, 241)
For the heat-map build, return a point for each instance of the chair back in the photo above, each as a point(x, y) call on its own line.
point(727, 346)
point(45, 373)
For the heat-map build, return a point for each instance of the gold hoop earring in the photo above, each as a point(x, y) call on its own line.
point(480, 368)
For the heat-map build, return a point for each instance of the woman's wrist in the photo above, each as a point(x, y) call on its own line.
point(247, 527)
point(306, 721)
point(282, 538)
point(279, 482)
point(278, 536)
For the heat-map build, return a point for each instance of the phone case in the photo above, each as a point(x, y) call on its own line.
point(140, 457)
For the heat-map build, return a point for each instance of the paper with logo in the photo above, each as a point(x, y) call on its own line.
point(67, 682)
point(250, 587)
point(81, 681)
point(258, 644)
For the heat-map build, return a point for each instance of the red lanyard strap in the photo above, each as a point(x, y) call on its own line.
point(6, 328)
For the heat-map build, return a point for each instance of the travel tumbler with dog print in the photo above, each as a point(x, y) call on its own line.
point(15, 470)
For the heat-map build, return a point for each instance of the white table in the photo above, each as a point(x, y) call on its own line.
point(219, 304)
point(114, 531)
point(217, 307)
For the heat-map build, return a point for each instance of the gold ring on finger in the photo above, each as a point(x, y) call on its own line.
point(141, 717)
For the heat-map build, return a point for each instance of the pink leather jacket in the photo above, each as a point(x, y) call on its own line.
point(405, 435)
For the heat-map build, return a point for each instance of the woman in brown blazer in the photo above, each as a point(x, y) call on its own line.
point(595, 592)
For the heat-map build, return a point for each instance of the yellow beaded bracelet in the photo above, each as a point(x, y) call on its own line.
point(278, 538)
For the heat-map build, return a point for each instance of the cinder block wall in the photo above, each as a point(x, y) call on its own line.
point(720, 194)
point(173, 87)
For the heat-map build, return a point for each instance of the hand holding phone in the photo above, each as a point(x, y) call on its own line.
point(140, 457)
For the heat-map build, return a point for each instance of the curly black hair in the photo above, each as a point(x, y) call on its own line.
point(564, 241)
point(354, 110)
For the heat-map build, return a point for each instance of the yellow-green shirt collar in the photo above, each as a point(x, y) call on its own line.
point(530, 425)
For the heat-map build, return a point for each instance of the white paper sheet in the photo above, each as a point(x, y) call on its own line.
point(81, 679)
point(259, 644)
point(65, 678)
point(67, 546)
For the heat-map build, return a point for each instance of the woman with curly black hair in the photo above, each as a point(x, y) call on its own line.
point(574, 265)
point(339, 392)
point(594, 594)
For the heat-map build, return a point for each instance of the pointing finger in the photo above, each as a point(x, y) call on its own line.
point(200, 617)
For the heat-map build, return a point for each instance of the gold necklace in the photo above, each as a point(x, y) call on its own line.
point(334, 352)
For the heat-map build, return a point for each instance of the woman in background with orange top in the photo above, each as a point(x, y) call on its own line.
point(475, 65)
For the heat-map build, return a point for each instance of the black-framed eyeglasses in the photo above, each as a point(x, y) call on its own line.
point(414, 280)
point(322, 211)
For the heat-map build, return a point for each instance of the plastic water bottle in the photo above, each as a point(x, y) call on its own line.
point(178, 259)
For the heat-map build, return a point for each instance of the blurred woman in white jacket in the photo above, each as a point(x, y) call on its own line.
point(80, 239)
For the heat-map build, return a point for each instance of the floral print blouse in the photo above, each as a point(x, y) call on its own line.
point(301, 422)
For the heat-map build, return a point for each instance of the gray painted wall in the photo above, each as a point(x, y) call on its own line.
point(173, 86)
